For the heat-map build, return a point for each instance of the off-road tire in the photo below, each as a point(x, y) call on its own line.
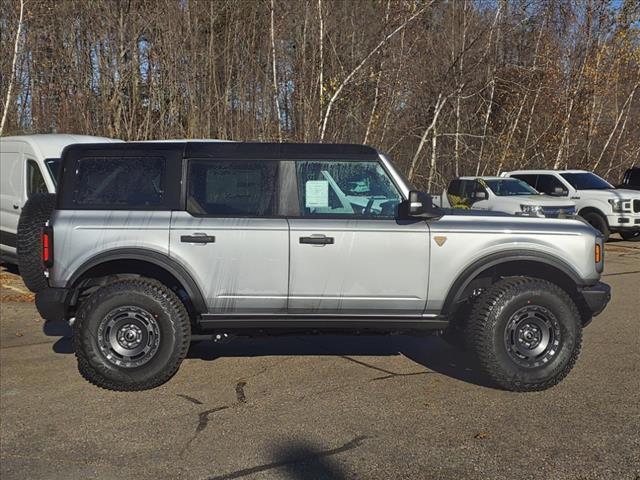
point(598, 222)
point(174, 334)
point(491, 316)
point(630, 236)
point(35, 213)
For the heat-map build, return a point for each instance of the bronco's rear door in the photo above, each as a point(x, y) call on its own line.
point(230, 236)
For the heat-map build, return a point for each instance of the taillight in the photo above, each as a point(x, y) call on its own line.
point(47, 246)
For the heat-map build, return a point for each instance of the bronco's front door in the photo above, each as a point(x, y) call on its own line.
point(350, 254)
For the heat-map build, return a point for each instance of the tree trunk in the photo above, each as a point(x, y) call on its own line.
point(16, 51)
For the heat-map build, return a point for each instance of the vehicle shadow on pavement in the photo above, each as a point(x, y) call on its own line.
point(10, 268)
point(62, 330)
point(431, 352)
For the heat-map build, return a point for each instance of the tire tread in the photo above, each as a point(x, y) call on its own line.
point(89, 359)
point(479, 333)
point(34, 215)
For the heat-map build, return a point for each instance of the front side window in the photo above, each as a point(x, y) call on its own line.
point(586, 181)
point(131, 182)
point(232, 188)
point(550, 185)
point(467, 195)
point(346, 188)
point(53, 165)
point(454, 187)
point(35, 180)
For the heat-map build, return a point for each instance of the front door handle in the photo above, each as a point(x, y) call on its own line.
point(198, 238)
point(317, 240)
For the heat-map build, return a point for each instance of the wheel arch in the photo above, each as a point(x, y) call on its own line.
point(148, 263)
point(596, 210)
point(485, 271)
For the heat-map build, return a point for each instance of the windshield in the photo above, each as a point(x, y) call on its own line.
point(399, 172)
point(53, 165)
point(509, 187)
point(586, 181)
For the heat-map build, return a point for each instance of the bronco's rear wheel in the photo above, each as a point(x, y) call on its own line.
point(131, 335)
point(526, 333)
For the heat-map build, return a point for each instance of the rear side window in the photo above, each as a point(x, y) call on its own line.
point(232, 188)
point(131, 182)
point(35, 180)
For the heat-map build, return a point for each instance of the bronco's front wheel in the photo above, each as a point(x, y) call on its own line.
point(131, 335)
point(526, 333)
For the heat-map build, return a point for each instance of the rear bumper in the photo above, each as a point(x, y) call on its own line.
point(596, 297)
point(53, 303)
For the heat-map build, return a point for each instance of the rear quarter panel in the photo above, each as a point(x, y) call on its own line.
point(79, 235)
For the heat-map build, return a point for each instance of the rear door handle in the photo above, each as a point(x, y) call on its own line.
point(317, 240)
point(198, 238)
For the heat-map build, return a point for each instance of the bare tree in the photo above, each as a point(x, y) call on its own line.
point(353, 72)
point(273, 65)
point(12, 76)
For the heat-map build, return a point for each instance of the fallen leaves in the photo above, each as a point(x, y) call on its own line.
point(17, 297)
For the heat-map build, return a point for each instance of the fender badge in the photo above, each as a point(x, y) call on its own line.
point(440, 240)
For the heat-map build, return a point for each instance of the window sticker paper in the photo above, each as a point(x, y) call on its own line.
point(316, 194)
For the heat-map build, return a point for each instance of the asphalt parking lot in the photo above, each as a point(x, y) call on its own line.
point(336, 407)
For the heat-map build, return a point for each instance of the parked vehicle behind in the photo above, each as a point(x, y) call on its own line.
point(597, 201)
point(504, 195)
point(29, 165)
point(153, 244)
point(631, 179)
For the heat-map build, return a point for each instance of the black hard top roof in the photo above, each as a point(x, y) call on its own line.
point(257, 150)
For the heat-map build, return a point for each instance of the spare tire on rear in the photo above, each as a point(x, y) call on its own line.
point(35, 214)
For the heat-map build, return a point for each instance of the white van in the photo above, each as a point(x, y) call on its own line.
point(28, 164)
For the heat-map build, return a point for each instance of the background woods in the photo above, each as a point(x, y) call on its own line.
point(444, 87)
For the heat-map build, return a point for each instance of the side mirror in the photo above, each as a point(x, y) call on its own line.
point(419, 204)
point(559, 192)
point(415, 207)
point(480, 196)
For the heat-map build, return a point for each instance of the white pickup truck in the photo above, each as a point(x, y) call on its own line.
point(503, 195)
point(605, 207)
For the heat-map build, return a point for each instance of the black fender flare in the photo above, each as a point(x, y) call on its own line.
point(476, 268)
point(150, 256)
point(596, 210)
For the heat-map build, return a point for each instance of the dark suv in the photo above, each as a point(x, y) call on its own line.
point(631, 179)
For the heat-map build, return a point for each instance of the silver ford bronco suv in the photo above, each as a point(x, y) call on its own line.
point(148, 246)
